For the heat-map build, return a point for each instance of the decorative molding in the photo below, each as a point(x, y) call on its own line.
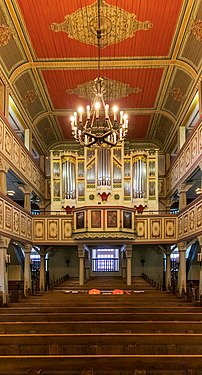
point(89, 64)
point(14, 222)
point(103, 235)
point(14, 155)
point(189, 157)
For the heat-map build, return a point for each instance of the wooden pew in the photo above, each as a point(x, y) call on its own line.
point(173, 364)
point(102, 344)
point(100, 327)
point(106, 316)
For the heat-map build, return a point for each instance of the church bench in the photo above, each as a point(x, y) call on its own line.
point(174, 364)
point(18, 309)
point(106, 316)
point(101, 326)
point(102, 344)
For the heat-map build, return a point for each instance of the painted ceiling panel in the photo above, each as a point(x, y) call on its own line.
point(145, 83)
point(150, 57)
point(138, 40)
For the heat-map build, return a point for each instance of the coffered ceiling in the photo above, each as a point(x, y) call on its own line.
point(151, 60)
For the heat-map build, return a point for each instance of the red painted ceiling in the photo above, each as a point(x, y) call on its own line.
point(56, 47)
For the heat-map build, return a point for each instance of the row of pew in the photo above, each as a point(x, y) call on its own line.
point(144, 332)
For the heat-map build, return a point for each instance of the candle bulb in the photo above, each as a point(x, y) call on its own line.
point(75, 118)
point(88, 112)
point(115, 109)
point(121, 117)
point(107, 111)
point(86, 139)
point(80, 110)
point(97, 107)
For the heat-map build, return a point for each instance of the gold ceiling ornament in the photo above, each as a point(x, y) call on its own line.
point(116, 24)
point(176, 94)
point(112, 90)
point(6, 29)
point(6, 33)
point(196, 29)
point(30, 97)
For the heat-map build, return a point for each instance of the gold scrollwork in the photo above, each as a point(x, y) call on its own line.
point(116, 24)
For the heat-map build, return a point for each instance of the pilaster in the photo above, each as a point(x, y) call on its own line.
point(81, 255)
point(129, 264)
point(3, 172)
point(4, 242)
point(42, 269)
point(27, 270)
point(182, 247)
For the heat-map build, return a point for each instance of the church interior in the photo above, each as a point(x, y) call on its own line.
point(101, 187)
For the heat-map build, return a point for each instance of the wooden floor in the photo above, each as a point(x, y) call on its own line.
point(67, 331)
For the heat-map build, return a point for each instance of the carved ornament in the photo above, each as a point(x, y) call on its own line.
point(116, 24)
point(112, 90)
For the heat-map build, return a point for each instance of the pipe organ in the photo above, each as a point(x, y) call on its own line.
point(128, 179)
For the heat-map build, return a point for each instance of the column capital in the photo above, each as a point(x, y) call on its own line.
point(200, 240)
point(27, 248)
point(129, 251)
point(166, 249)
point(4, 242)
point(81, 251)
point(3, 166)
point(182, 246)
point(27, 189)
point(42, 251)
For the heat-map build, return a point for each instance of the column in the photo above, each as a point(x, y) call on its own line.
point(4, 269)
point(181, 136)
point(4, 98)
point(168, 272)
point(182, 247)
point(3, 171)
point(81, 254)
point(28, 139)
point(42, 269)
point(183, 196)
point(27, 197)
point(200, 271)
point(27, 270)
point(42, 162)
point(129, 263)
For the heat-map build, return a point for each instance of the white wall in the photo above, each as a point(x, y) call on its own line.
point(153, 266)
point(15, 272)
point(57, 263)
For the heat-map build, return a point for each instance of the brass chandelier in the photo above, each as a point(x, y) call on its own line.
point(93, 127)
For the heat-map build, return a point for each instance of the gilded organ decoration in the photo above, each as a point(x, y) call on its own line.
point(130, 179)
point(116, 24)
